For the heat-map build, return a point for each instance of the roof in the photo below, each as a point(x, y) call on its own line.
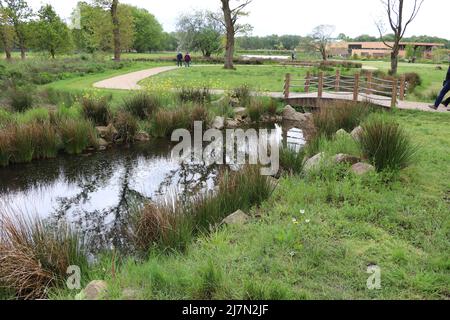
point(382, 45)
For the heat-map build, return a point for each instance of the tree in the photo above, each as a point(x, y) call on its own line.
point(229, 19)
point(200, 31)
point(6, 33)
point(396, 16)
point(19, 13)
point(320, 38)
point(113, 7)
point(50, 33)
point(148, 32)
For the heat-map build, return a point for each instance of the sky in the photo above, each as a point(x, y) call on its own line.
point(351, 17)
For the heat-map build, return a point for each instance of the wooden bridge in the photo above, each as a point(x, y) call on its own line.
point(312, 90)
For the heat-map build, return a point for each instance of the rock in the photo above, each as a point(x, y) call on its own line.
point(102, 144)
point(345, 158)
point(232, 123)
point(219, 123)
point(341, 133)
point(362, 168)
point(234, 102)
point(242, 112)
point(314, 162)
point(297, 119)
point(95, 290)
point(237, 218)
point(108, 133)
point(357, 133)
point(142, 136)
point(102, 131)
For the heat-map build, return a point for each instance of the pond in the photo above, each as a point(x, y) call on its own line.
point(96, 191)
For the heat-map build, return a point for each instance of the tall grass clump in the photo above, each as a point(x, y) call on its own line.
point(386, 144)
point(35, 115)
point(5, 147)
point(20, 99)
point(126, 126)
point(196, 95)
point(291, 160)
point(255, 110)
point(340, 115)
point(34, 255)
point(76, 135)
point(164, 122)
point(22, 144)
point(243, 93)
point(96, 110)
point(46, 141)
point(200, 113)
point(143, 105)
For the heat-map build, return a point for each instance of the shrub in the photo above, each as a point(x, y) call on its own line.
point(143, 105)
point(340, 115)
point(57, 97)
point(34, 255)
point(291, 160)
point(196, 95)
point(413, 79)
point(126, 126)
point(76, 135)
point(96, 110)
point(243, 94)
point(21, 99)
point(386, 144)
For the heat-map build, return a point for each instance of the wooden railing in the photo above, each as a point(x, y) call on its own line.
point(365, 87)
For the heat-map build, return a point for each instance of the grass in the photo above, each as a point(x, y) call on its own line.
point(96, 110)
point(143, 105)
point(77, 135)
point(316, 236)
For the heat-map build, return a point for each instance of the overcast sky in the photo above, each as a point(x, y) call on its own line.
point(352, 17)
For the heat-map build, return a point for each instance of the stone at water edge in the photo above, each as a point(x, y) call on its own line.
point(102, 144)
point(314, 162)
point(345, 158)
point(108, 133)
point(237, 218)
point(219, 123)
point(232, 123)
point(362, 168)
point(242, 112)
point(357, 133)
point(95, 290)
point(142, 136)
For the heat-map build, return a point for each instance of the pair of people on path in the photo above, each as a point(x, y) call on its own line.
point(444, 91)
point(187, 59)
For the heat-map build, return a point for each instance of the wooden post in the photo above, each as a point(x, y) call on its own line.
point(369, 83)
point(402, 87)
point(394, 94)
point(320, 88)
point(356, 87)
point(287, 85)
point(337, 85)
point(307, 82)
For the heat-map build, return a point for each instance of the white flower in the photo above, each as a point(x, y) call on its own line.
point(302, 211)
point(307, 221)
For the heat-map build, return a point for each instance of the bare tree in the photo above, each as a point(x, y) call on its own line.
point(320, 38)
point(229, 19)
point(398, 22)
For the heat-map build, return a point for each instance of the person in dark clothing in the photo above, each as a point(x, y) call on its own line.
point(444, 91)
point(187, 60)
point(179, 59)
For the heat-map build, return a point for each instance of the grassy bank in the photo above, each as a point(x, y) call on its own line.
point(317, 235)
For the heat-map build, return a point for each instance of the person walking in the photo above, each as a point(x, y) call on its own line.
point(444, 91)
point(179, 59)
point(187, 60)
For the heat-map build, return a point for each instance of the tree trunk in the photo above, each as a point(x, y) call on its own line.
point(8, 53)
point(6, 47)
point(323, 51)
point(116, 30)
point(394, 58)
point(229, 47)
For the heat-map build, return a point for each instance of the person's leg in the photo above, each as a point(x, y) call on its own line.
point(441, 96)
point(446, 102)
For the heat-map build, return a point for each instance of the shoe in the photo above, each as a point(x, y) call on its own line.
point(433, 107)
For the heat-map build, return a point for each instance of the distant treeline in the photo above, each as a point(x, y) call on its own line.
point(289, 42)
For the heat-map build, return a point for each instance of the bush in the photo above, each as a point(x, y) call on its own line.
point(96, 110)
point(126, 126)
point(243, 94)
point(413, 79)
point(143, 105)
point(34, 255)
point(196, 95)
point(77, 135)
point(21, 99)
point(386, 144)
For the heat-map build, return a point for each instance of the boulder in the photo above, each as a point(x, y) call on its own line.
point(142, 136)
point(314, 162)
point(108, 133)
point(345, 159)
point(95, 290)
point(237, 218)
point(242, 112)
point(362, 168)
point(290, 114)
point(219, 123)
point(232, 123)
point(357, 133)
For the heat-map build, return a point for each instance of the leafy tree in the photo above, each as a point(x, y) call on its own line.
point(50, 33)
point(19, 13)
point(148, 32)
point(199, 31)
point(6, 33)
point(170, 41)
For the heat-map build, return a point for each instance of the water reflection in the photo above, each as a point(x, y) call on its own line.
point(95, 192)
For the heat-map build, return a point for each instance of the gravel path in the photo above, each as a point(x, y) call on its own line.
point(130, 81)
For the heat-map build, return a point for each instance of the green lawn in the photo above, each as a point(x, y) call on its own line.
point(348, 223)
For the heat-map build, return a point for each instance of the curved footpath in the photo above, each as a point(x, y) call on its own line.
point(130, 81)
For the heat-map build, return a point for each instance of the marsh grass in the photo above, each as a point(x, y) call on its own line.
point(21, 99)
point(96, 110)
point(22, 144)
point(386, 144)
point(143, 105)
point(291, 161)
point(5, 147)
point(76, 135)
point(255, 109)
point(243, 94)
point(195, 95)
point(126, 125)
point(34, 255)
